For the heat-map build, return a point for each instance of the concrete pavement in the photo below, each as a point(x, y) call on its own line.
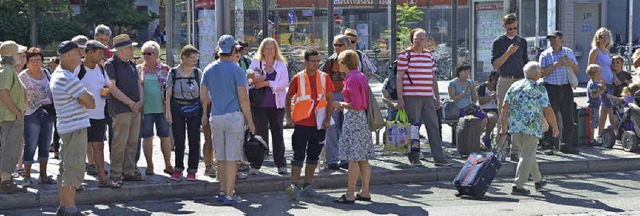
point(388, 168)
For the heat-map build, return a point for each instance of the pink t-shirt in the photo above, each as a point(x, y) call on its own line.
point(356, 90)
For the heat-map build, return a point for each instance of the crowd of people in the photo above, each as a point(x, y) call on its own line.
point(92, 92)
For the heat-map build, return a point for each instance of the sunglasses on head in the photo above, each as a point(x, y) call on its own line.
point(147, 53)
point(338, 45)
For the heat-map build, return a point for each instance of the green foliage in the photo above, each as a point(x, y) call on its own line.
point(14, 25)
point(405, 15)
point(120, 13)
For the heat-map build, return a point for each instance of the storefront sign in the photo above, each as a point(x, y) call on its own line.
point(488, 26)
point(201, 4)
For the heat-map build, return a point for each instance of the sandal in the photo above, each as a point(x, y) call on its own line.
point(46, 180)
point(108, 183)
point(343, 200)
point(361, 198)
point(169, 170)
point(149, 171)
point(21, 172)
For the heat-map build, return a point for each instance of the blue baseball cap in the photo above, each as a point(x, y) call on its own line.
point(227, 43)
point(67, 46)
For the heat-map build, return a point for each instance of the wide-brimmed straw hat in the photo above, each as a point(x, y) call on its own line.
point(352, 34)
point(122, 41)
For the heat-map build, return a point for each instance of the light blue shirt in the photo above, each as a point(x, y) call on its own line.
point(466, 99)
point(526, 100)
point(223, 79)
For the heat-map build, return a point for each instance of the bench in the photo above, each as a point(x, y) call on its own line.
point(453, 123)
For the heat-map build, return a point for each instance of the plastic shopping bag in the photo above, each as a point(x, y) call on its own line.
point(398, 133)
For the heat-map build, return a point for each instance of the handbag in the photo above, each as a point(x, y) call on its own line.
point(573, 80)
point(398, 133)
point(191, 110)
point(451, 111)
point(257, 95)
point(374, 115)
point(50, 109)
point(254, 147)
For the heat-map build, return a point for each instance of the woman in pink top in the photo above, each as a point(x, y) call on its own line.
point(355, 143)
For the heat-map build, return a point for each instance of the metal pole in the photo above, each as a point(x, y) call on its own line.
point(454, 37)
point(330, 21)
point(265, 19)
point(189, 23)
point(537, 33)
point(168, 13)
point(630, 37)
point(393, 4)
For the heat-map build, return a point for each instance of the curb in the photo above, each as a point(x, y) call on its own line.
point(274, 184)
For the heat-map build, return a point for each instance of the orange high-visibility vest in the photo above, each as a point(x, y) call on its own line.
point(303, 103)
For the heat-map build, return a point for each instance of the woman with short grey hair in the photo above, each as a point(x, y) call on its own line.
point(103, 34)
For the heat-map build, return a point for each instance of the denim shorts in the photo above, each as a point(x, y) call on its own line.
point(148, 120)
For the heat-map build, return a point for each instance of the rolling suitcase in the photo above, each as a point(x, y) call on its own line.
point(478, 172)
point(468, 134)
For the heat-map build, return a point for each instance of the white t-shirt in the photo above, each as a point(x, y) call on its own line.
point(94, 80)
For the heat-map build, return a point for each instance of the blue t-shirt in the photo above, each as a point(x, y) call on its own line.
point(466, 100)
point(592, 88)
point(223, 79)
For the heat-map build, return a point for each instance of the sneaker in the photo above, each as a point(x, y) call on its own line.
point(176, 176)
point(539, 185)
point(414, 158)
point(9, 187)
point(282, 170)
point(243, 167)
point(221, 196)
point(309, 192)
point(191, 176)
point(292, 191)
point(242, 176)
point(92, 169)
point(210, 171)
point(232, 200)
point(253, 171)
point(46, 180)
point(27, 182)
point(570, 151)
point(548, 152)
point(517, 191)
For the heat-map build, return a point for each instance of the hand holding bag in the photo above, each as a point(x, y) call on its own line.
point(398, 133)
point(257, 95)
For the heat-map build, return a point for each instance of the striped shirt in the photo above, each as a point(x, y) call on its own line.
point(66, 89)
point(421, 67)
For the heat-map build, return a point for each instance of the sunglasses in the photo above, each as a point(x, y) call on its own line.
point(604, 36)
point(354, 42)
point(512, 28)
point(338, 45)
point(147, 53)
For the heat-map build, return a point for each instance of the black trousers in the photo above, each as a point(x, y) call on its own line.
point(270, 119)
point(561, 99)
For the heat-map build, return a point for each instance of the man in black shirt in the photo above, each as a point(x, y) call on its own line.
point(508, 56)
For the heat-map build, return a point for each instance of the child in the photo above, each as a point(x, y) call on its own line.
point(595, 88)
point(617, 63)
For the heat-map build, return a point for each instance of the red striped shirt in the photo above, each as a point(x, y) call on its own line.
point(422, 69)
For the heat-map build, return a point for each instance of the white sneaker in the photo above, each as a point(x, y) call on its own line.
point(241, 176)
point(282, 170)
point(253, 171)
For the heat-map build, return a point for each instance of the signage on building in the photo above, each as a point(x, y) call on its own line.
point(362, 3)
point(202, 4)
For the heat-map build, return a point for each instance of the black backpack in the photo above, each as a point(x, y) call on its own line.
point(83, 71)
point(174, 78)
point(393, 89)
point(254, 147)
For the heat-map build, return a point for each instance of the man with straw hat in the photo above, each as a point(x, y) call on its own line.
point(365, 66)
point(11, 115)
point(125, 105)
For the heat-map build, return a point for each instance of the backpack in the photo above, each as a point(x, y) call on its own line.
point(393, 88)
point(374, 115)
point(174, 73)
point(83, 71)
point(254, 147)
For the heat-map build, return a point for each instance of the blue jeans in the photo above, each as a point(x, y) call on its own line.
point(333, 134)
point(38, 129)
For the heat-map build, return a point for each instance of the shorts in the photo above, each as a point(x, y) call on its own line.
point(606, 102)
point(594, 114)
point(73, 153)
point(307, 140)
point(227, 132)
point(478, 114)
point(148, 120)
point(95, 133)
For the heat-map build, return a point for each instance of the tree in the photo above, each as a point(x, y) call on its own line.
point(405, 15)
point(120, 15)
point(34, 9)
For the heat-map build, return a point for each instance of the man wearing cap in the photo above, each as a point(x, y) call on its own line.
point(365, 66)
point(557, 61)
point(226, 82)
point(95, 79)
point(125, 104)
point(72, 102)
point(11, 115)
